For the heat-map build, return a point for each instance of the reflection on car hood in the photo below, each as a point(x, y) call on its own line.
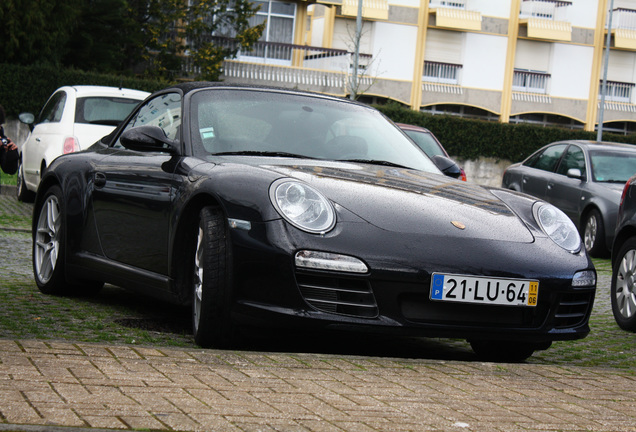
point(404, 200)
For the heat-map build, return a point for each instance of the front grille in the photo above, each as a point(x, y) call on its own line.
point(338, 295)
point(573, 309)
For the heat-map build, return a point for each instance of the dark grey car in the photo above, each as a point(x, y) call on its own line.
point(584, 179)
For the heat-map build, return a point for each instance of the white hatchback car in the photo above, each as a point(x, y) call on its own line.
point(72, 119)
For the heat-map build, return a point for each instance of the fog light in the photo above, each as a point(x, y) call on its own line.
point(329, 261)
point(584, 279)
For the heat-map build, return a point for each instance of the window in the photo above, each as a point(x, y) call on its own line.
point(573, 158)
point(52, 111)
point(548, 159)
point(110, 111)
point(163, 111)
point(279, 18)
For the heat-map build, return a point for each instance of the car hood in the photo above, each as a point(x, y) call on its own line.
point(408, 201)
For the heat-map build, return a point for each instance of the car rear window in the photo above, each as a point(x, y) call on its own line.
point(109, 111)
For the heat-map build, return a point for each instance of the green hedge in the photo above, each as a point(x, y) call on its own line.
point(470, 139)
point(27, 88)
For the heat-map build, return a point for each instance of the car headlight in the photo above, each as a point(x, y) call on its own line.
point(557, 226)
point(303, 206)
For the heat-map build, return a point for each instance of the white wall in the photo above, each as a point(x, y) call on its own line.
point(582, 13)
point(411, 3)
point(492, 8)
point(484, 61)
point(571, 69)
point(394, 51)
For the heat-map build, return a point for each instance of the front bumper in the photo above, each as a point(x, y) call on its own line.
point(394, 296)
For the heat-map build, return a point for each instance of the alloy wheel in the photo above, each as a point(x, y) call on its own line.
point(626, 285)
point(591, 228)
point(47, 239)
point(198, 279)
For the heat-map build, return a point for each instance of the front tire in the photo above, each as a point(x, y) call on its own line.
point(593, 234)
point(211, 285)
point(623, 289)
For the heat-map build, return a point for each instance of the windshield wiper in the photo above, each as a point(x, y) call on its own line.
point(262, 153)
point(374, 162)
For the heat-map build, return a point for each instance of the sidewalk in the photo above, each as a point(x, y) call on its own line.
point(121, 387)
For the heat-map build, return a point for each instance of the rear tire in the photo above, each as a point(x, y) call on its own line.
point(49, 250)
point(593, 234)
point(49, 244)
point(210, 284)
point(623, 288)
point(22, 192)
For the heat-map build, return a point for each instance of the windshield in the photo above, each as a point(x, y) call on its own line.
point(613, 167)
point(265, 123)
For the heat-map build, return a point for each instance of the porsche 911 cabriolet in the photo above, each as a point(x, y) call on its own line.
point(284, 208)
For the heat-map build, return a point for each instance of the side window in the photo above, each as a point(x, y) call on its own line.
point(548, 160)
point(163, 111)
point(52, 111)
point(573, 158)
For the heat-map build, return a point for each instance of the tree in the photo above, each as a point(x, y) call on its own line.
point(174, 31)
point(36, 31)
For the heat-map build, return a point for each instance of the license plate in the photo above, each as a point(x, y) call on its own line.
point(484, 290)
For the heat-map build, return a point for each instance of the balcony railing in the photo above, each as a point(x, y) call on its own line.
point(623, 19)
point(530, 81)
point(458, 4)
point(555, 10)
point(617, 91)
point(443, 73)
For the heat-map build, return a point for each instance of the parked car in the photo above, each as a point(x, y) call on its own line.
point(72, 119)
point(275, 207)
point(582, 178)
point(623, 289)
point(428, 142)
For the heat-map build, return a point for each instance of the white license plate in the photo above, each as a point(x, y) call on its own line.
point(484, 290)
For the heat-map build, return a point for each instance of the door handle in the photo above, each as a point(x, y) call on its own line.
point(100, 180)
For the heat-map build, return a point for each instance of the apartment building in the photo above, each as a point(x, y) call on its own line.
point(513, 61)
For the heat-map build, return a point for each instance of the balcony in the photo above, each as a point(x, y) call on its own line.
point(371, 9)
point(441, 77)
point(454, 14)
point(546, 19)
point(624, 28)
point(291, 66)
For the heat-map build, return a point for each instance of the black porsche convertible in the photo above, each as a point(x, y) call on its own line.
point(284, 208)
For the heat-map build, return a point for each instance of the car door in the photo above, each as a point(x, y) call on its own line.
point(46, 132)
point(538, 170)
point(563, 191)
point(134, 191)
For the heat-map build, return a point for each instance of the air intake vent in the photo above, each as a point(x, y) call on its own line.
point(337, 295)
point(573, 309)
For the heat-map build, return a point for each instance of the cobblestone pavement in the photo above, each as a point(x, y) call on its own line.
point(63, 386)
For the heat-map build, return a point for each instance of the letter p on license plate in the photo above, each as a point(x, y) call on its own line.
point(484, 290)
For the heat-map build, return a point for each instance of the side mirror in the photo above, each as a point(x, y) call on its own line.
point(447, 166)
point(575, 173)
point(27, 118)
point(148, 138)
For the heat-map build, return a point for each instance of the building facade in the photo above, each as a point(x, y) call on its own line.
point(513, 61)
